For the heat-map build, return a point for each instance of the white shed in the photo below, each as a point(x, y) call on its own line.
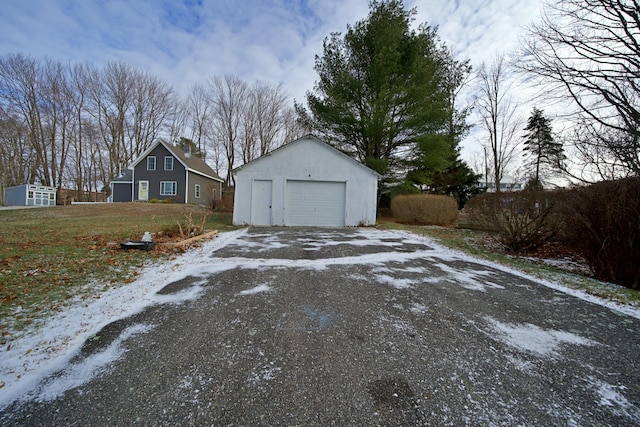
point(30, 195)
point(305, 183)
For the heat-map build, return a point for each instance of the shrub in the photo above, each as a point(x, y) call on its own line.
point(524, 220)
point(428, 209)
point(188, 226)
point(602, 221)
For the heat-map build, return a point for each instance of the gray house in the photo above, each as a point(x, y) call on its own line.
point(166, 172)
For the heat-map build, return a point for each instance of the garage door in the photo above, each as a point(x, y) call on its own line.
point(315, 203)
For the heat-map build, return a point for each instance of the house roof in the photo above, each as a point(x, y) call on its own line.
point(191, 163)
point(315, 140)
point(126, 176)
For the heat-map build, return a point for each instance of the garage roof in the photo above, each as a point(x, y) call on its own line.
point(313, 139)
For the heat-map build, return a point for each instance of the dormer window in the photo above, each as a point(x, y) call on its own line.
point(168, 163)
point(151, 163)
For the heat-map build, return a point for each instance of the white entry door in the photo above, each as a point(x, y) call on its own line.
point(143, 190)
point(315, 203)
point(261, 202)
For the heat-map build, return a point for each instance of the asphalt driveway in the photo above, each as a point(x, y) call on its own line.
point(349, 327)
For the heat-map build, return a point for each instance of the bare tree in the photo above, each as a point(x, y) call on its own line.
point(263, 121)
point(292, 127)
point(198, 108)
point(151, 109)
point(19, 93)
point(228, 97)
point(588, 51)
point(81, 124)
point(57, 102)
point(178, 124)
point(111, 90)
point(590, 162)
point(131, 109)
point(271, 103)
point(249, 140)
point(499, 115)
point(34, 92)
point(78, 126)
point(79, 80)
point(16, 156)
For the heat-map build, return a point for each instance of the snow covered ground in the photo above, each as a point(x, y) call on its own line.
point(36, 354)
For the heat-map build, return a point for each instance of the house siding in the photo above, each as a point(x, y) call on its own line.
point(186, 170)
point(121, 191)
point(178, 174)
point(206, 185)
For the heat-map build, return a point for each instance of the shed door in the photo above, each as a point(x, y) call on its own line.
point(315, 203)
point(261, 202)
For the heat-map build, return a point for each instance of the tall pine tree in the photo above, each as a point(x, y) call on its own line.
point(383, 94)
point(540, 147)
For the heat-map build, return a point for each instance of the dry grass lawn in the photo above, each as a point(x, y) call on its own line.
point(49, 255)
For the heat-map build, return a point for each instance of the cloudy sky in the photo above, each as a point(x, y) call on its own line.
point(187, 41)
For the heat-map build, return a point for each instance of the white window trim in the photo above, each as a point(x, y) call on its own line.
point(155, 163)
point(174, 184)
point(165, 163)
point(197, 191)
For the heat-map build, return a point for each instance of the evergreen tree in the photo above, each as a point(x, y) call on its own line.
point(458, 181)
point(540, 146)
point(383, 94)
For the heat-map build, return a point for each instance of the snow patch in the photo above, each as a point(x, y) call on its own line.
point(533, 339)
point(447, 254)
point(393, 281)
point(78, 374)
point(472, 280)
point(257, 289)
point(613, 397)
point(191, 293)
point(418, 308)
point(37, 353)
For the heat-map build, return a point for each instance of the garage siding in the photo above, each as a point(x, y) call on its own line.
point(315, 203)
point(312, 184)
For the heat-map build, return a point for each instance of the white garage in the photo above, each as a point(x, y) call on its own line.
point(305, 183)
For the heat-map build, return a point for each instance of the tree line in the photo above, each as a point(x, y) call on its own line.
point(582, 55)
point(387, 94)
point(77, 125)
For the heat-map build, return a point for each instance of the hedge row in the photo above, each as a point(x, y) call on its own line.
point(427, 209)
point(601, 222)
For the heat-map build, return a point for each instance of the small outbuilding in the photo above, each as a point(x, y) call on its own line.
point(305, 183)
point(30, 195)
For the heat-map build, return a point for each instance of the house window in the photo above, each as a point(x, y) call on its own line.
point(197, 191)
point(168, 188)
point(151, 163)
point(168, 163)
